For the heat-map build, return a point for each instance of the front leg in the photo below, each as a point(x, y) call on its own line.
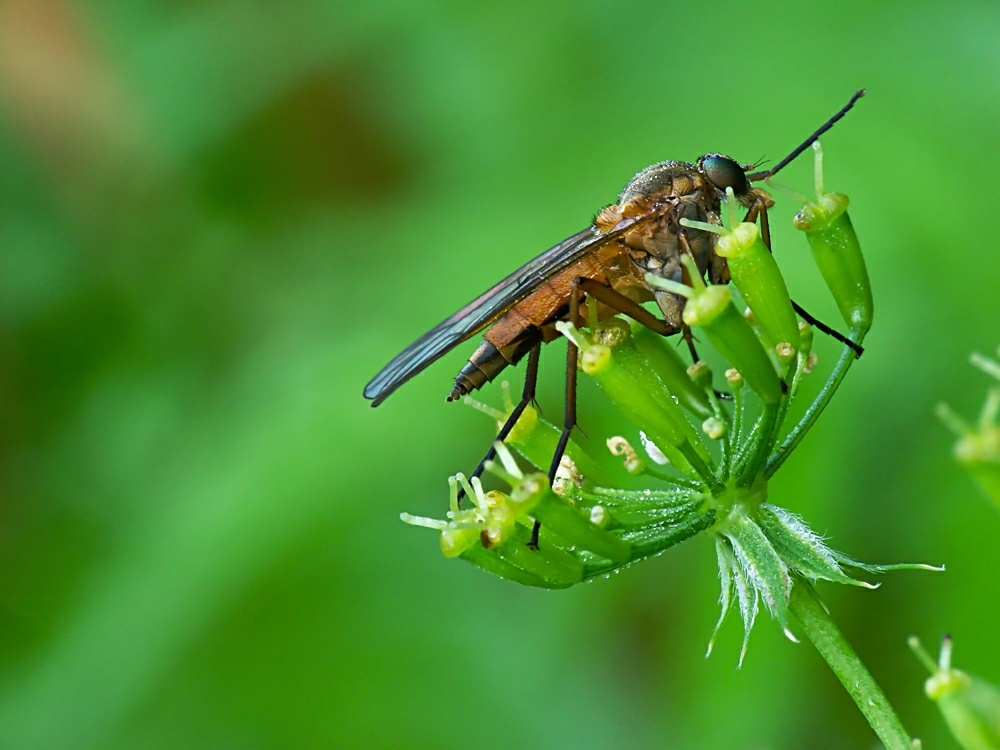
point(620, 303)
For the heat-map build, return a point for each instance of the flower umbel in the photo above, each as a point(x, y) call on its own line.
point(978, 444)
point(718, 461)
point(711, 453)
point(970, 705)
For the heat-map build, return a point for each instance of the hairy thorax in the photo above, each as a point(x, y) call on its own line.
point(656, 247)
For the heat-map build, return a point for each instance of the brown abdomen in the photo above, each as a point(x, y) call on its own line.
point(488, 361)
point(520, 328)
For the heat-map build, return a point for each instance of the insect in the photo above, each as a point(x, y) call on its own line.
point(605, 263)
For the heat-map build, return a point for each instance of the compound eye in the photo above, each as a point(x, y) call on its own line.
point(723, 172)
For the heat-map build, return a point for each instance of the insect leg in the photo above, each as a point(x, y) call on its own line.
point(527, 396)
point(569, 416)
point(858, 349)
point(759, 208)
point(765, 228)
point(689, 340)
point(620, 303)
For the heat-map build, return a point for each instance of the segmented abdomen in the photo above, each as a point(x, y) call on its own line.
point(529, 321)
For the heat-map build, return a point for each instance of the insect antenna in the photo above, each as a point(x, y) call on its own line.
point(757, 176)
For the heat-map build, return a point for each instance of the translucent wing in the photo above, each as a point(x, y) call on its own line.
point(490, 305)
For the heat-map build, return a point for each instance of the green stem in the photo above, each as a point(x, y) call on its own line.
point(709, 478)
point(737, 414)
point(806, 607)
point(816, 408)
point(759, 445)
point(727, 439)
point(791, 377)
point(748, 444)
point(670, 478)
point(652, 541)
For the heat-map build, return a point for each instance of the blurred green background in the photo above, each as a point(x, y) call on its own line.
point(218, 219)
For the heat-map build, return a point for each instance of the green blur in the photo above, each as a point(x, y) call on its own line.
point(219, 219)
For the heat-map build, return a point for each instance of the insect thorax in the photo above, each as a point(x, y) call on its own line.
point(656, 247)
point(665, 179)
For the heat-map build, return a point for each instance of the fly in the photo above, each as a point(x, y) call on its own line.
point(607, 263)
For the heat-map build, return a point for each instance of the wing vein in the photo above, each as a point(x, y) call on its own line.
point(491, 304)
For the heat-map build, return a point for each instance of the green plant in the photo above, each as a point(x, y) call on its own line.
point(767, 555)
point(970, 705)
point(978, 445)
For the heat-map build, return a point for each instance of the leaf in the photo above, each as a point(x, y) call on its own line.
point(748, 598)
point(801, 548)
point(764, 569)
point(851, 563)
point(726, 580)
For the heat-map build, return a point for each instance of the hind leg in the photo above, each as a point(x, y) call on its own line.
point(527, 396)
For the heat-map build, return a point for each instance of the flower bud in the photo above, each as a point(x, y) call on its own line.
point(713, 427)
point(711, 308)
point(668, 429)
point(703, 308)
point(735, 341)
point(634, 401)
point(810, 364)
point(700, 374)
point(978, 446)
point(652, 451)
point(837, 252)
point(785, 352)
point(493, 534)
point(455, 541)
point(663, 358)
point(970, 705)
point(805, 337)
point(616, 333)
point(619, 446)
point(756, 274)
point(567, 475)
point(595, 359)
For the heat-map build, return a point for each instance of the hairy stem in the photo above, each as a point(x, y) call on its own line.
point(737, 414)
point(792, 377)
point(749, 463)
point(652, 541)
point(702, 469)
point(816, 408)
point(856, 679)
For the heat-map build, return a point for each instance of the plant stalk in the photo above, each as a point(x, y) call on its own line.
point(762, 440)
point(812, 616)
point(816, 408)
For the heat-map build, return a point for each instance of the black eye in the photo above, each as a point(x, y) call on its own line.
point(723, 172)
